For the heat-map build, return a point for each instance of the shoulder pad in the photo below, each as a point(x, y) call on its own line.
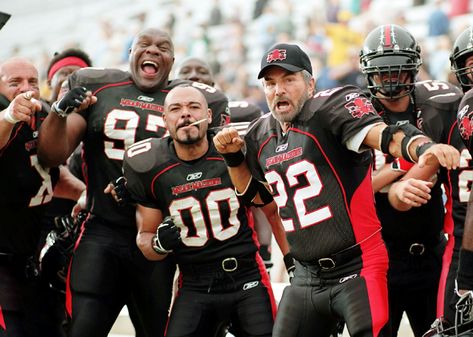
point(97, 76)
point(146, 154)
point(342, 94)
point(243, 111)
point(437, 91)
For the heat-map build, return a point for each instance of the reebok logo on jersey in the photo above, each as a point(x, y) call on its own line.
point(346, 278)
point(250, 285)
point(145, 98)
point(281, 148)
point(194, 176)
point(352, 96)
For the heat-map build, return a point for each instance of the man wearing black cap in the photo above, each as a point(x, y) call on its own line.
point(311, 151)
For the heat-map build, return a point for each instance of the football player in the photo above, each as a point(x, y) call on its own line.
point(462, 64)
point(108, 271)
point(241, 114)
point(26, 189)
point(182, 184)
point(309, 149)
point(409, 199)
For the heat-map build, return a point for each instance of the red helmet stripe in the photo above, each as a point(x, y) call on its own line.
point(387, 35)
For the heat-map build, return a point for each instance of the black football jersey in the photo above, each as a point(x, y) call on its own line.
point(242, 113)
point(322, 188)
point(199, 195)
point(26, 188)
point(436, 103)
point(122, 116)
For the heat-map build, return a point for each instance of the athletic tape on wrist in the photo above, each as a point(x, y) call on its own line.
point(8, 116)
point(421, 148)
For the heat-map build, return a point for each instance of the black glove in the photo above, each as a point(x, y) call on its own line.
point(70, 101)
point(290, 266)
point(167, 237)
point(122, 195)
point(266, 256)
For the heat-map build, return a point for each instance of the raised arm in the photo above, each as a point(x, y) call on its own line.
point(63, 129)
point(408, 142)
point(20, 109)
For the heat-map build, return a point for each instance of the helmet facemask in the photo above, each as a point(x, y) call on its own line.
point(391, 76)
point(461, 72)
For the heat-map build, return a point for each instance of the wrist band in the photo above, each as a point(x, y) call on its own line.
point(288, 261)
point(465, 270)
point(422, 147)
point(233, 159)
point(8, 116)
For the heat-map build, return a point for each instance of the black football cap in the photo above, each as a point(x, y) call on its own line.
point(4, 17)
point(288, 56)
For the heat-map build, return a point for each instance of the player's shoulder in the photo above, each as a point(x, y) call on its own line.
point(437, 92)
point(467, 98)
point(464, 109)
point(337, 94)
point(333, 101)
point(146, 155)
point(266, 125)
point(207, 90)
point(99, 76)
point(243, 111)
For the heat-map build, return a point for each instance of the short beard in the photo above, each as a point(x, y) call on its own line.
point(188, 140)
point(288, 118)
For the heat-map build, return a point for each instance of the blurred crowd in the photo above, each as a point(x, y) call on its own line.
point(231, 35)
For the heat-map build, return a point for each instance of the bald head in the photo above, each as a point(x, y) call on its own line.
point(195, 69)
point(18, 75)
point(181, 94)
point(151, 59)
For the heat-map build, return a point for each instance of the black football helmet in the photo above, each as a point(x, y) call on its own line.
point(462, 49)
point(388, 51)
point(463, 325)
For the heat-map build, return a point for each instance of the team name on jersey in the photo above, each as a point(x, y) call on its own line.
point(141, 105)
point(195, 185)
point(277, 159)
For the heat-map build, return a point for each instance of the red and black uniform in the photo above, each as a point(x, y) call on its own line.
point(415, 238)
point(222, 277)
point(438, 120)
point(26, 188)
point(323, 190)
point(108, 270)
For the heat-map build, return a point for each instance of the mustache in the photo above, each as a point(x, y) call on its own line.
point(188, 122)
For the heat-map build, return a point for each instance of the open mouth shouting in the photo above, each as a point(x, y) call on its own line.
point(149, 68)
point(282, 106)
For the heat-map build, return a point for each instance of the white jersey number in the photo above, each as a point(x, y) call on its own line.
point(301, 195)
point(45, 192)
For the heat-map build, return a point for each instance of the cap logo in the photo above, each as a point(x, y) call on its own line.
point(276, 55)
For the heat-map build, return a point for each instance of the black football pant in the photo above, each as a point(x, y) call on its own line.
point(317, 300)
point(108, 271)
point(207, 302)
point(21, 313)
point(413, 283)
